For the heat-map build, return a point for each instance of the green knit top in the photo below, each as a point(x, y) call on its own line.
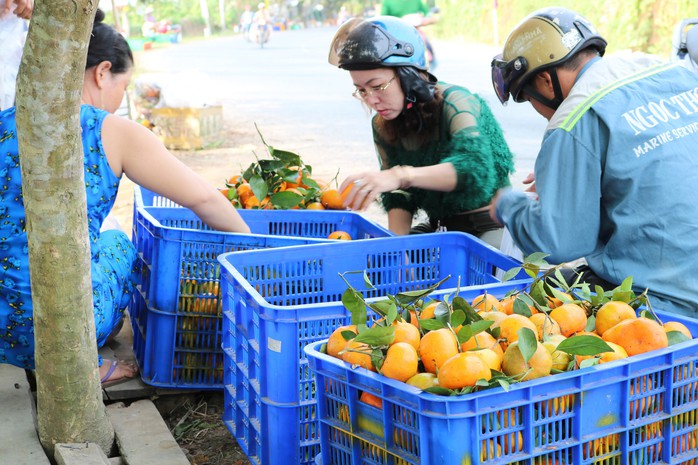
point(470, 139)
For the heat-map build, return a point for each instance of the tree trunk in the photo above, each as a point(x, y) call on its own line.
point(221, 13)
point(69, 406)
point(205, 15)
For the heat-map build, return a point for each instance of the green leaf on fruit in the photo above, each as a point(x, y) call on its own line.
point(353, 302)
point(377, 336)
point(431, 324)
point(584, 345)
point(528, 343)
point(676, 337)
point(286, 199)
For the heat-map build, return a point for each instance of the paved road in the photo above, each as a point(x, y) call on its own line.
point(303, 104)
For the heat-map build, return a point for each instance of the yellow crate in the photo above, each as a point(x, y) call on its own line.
point(188, 128)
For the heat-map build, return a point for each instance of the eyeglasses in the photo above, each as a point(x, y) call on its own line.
point(363, 94)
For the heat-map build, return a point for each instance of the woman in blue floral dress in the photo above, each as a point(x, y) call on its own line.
point(112, 146)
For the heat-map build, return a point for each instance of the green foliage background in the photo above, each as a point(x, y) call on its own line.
point(638, 25)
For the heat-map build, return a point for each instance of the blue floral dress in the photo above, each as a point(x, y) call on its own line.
point(113, 254)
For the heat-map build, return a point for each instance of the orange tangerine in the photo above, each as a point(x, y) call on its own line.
point(570, 317)
point(358, 353)
point(401, 362)
point(676, 326)
point(545, 326)
point(315, 206)
point(486, 303)
point(612, 313)
point(491, 358)
point(370, 399)
point(339, 235)
point(507, 305)
point(436, 347)
point(336, 343)
point(539, 365)
point(637, 335)
point(332, 199)
point(428, 310)
point(406, 332)
point(463, 370)
point(509, 328)
point(482, 340)
point(244, 192)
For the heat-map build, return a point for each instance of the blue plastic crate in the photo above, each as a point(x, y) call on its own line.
point(276, 302)
point(176, 312)
point(639, 410)
point(179, 285)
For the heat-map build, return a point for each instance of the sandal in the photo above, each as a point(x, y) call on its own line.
point(113, 365)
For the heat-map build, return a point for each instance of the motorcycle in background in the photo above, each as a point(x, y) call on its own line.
point(420, 21)
point(260, 31)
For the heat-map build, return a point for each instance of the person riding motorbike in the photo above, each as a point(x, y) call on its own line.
point(416, 13)
point(261, 23)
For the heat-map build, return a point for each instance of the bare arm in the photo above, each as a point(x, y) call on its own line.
point(399, 221)
point(371, 184)
point(135, 151)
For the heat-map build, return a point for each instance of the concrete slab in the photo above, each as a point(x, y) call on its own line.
point(80, 454)
point(19, 442)
point(142, 435)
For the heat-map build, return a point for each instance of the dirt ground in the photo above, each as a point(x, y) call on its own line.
point(234, 148)
point(195, 422)
point(231, 153)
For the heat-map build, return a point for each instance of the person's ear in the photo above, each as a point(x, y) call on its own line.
point(543, 82)
point(101, 71)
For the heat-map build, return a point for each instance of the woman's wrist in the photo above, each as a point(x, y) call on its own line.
point(405, 176)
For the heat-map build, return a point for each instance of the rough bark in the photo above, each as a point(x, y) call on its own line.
point(70, 408)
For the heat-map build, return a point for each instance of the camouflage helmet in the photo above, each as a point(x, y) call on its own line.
point(544, 39)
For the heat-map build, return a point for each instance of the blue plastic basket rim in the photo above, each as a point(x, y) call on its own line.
point(224, 257)
point(321, 305)
point(312, 352)
point(144, 210)
point(160, 227)
point(227, 262)
point(228, 259)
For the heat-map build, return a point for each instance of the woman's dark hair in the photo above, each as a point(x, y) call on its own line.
point(420, 120)
point(106, 44)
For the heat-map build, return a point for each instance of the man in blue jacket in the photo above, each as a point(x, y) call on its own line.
point(617, 171)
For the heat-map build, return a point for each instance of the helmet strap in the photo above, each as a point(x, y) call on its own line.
point(556, 101)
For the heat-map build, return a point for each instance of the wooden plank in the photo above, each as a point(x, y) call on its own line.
point(142, 435)
point(19, 441)
point(80, 454)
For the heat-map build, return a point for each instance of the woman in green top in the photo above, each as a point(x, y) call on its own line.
point(401, 8)
point(439, 146)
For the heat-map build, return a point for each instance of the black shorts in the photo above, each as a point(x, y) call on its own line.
point(476, 224)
